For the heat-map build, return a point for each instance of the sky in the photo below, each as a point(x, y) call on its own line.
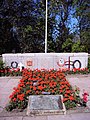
point(72, 23)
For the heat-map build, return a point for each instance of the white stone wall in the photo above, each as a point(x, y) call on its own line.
point(47, 60)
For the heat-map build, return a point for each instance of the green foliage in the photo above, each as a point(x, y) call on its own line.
point(28, 28)
point(2, 73)
point(1, 65)
point(70, 104)
point(67, 45)
point(28, 19)
point(89, 63)
point(85, 38)
point(77, 47)
point(82, 14)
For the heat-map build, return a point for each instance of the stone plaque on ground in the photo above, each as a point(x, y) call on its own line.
point(45, 104)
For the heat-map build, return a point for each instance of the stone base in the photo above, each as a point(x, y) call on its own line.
point(45, 105)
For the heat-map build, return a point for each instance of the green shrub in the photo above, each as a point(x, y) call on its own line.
point(1, 64)
point(78, 47)
point(89, 63)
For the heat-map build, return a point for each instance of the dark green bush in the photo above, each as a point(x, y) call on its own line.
point(89, 63)
point(1, 64)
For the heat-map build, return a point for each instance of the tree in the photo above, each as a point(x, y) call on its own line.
point(78, 47)
point(16, 16)
point(22, 25)
point(67, 45)
point(83, 17)
point(32, 39)
point(58, 15)
point(8, 39)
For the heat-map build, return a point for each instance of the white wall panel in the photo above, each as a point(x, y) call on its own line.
point(48, 60)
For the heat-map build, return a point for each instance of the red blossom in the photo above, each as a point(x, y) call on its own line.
point(20, 97)
point(47, 81)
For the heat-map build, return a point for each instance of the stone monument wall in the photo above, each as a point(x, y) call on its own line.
point(46, 60)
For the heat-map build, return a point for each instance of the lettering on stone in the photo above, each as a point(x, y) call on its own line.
point(45, 104)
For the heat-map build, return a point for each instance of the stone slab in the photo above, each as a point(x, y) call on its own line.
point(45, 104)
point(48, 60)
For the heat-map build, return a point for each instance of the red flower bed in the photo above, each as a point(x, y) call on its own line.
point(38, 82)
point(16, 72)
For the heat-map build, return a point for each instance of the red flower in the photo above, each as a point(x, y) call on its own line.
point(27, 92)
point(53, 91)
point(71, 98)
point(40, 88)
point(34, 88)
point(68, 91)
point(31, 87)
point(37, 92)
point(48, 80)
point(14, 99)
point(65, 99)
point(65, 95)
point(50, 84)
point(61, 91)
point(21, 97)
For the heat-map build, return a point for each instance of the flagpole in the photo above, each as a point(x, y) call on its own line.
point(46, 29)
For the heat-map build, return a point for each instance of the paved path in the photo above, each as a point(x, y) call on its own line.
point(80, 116)
point(6, 88)
point(82, 81)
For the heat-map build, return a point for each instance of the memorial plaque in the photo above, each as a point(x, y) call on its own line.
point(45, 104)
